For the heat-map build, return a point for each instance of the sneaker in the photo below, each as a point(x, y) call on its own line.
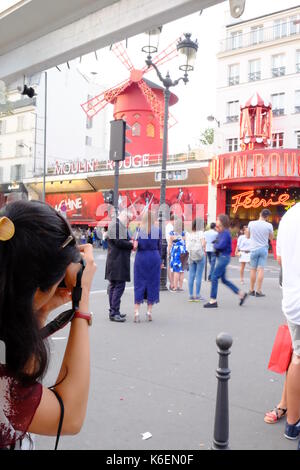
point(251, 292)
point(260, 294)
point(209, 305)
point(200, 299)
point(242, 299)
point(292, 431)
point(197, 299)
point(191, 299)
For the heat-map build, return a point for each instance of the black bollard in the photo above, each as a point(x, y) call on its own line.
point(221, 430)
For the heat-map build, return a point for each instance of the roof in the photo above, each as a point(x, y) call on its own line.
point(256, 100)
point(262, 16)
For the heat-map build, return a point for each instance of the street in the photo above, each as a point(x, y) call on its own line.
point(159, 377)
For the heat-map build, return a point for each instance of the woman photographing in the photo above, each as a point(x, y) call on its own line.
point(37, 252)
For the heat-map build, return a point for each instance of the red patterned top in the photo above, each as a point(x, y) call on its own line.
point(18, 405)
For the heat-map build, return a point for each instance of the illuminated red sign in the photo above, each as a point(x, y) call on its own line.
point(256, 164)
point(255, 123)
point(247, 201)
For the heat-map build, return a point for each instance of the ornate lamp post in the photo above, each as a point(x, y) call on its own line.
point(187, 50)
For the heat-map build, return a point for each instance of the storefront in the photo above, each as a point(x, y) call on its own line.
point(12, 192)
point(251, 180)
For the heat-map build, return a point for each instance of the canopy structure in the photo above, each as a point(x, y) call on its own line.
point(36, 35)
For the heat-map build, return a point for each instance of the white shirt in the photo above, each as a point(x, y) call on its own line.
point(260, 231)
point(243, 243)
point(288, 247)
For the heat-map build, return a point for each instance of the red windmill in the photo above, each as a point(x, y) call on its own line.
point(138, 101)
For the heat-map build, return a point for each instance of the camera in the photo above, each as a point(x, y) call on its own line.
point(72, 282)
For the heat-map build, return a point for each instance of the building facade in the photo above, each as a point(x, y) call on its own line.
point(259, 59)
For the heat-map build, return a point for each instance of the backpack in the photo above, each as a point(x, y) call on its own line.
point(196, 252)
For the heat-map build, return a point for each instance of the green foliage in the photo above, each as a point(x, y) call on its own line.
point(207, 137)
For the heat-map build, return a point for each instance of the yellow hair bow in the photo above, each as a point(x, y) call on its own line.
point(7, 229)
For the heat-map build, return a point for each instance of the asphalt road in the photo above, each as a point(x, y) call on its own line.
point(159, 377)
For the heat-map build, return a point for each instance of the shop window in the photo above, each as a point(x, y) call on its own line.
point(277, 140)
point(232, 145)
point(136, 129)
point(150, 130)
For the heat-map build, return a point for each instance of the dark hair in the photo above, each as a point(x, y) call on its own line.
point(213, 225)
point(197, 224)
point(33, 258)
point(265, 213)
point(224, 219)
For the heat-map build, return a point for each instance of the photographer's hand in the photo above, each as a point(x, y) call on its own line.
point(87, 276)
point(62, 296)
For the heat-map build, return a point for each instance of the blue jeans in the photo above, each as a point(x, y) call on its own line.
point(211, 255)
point(195, 272)
point(220, 273)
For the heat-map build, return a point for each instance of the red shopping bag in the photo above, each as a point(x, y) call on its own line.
point(282, 351)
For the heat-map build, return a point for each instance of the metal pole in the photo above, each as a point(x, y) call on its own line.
point(162, 213)
point(116, 188)
point(45, 139)
point(221, 429)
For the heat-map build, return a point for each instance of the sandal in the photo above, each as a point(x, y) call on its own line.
point(275, 415)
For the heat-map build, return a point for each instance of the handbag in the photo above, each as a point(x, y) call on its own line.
point(282, 351)
point(184, 257)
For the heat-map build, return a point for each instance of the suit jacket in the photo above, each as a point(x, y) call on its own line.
point(118, 254)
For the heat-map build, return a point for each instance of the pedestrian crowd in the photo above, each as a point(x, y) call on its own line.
point(38, 241)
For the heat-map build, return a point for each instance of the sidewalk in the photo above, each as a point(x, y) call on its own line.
point(160, 376)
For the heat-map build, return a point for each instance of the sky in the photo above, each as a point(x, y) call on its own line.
point(197, 99)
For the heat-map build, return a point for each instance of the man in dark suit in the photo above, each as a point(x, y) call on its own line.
point(117, 270)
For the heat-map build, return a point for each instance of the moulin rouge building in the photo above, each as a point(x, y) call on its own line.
point(257, 176)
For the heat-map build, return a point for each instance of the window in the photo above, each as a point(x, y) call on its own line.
point(297, 101)
point(280, 28)
point(17, 172)
point(256, 35)
point(277, 140)
point(232, 111)
point(294, 26)
point(236, 39)
point(298, 61)
point(254, 70)
point(232, 145)
point(277, 101)
point(20, 125)
point(136, 129)
point(2, 127)
point(233, 74)
point(89, 123)
point(278, 65)
point(298, 139)
point(150, 130)
point(1, 150)
point(88, 141)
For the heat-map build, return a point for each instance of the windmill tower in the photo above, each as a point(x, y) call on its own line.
point(138, 101)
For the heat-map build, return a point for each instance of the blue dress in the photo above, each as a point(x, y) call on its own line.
point(178, 247)
point(147, 267)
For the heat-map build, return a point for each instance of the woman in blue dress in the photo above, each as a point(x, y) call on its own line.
point(147, 267)
point(176, 248)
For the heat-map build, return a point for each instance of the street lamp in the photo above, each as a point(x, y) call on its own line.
point(187, 51)
point(212, 118)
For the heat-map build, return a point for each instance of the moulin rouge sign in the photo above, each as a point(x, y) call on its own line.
point(257, 164)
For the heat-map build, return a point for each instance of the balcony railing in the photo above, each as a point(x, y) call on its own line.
point(254, 76)
point(234, 80)
point(232, 118)
point(273, 33)
point(278, 71)
point(278, 111)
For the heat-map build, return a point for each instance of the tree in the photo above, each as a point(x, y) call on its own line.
point(207, 137)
